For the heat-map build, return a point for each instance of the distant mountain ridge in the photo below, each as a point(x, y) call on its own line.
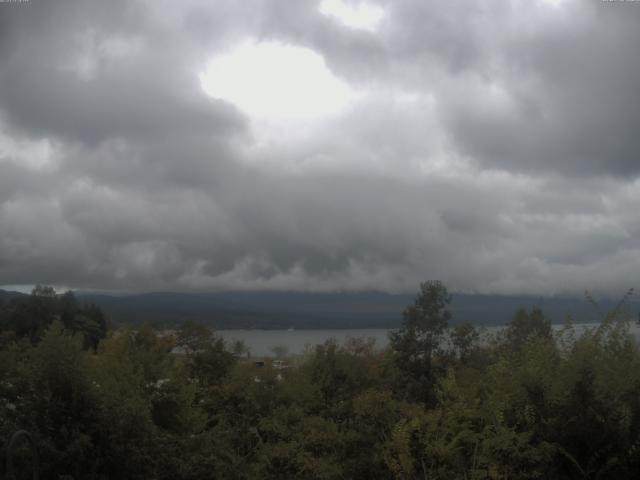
point(257, 309)
point(7, 294)
point(276, 310)
point(329, 310)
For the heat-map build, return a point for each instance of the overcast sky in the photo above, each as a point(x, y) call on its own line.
point(320, 145)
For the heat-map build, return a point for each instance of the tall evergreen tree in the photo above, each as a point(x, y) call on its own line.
point(416, 342)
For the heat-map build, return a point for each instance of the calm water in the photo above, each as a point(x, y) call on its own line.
point(261, 342)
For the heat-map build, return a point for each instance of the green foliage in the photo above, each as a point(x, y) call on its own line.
point(210, 365)
point(296, 445)
point(464, 339)
point(31, 316)
point(194, 336)
point(207, 358)
point(525, 325)
point(339, 374)
point(527, 405)
point(416, 343)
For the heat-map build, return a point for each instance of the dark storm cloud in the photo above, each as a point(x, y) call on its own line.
point(90, 79)
point(560, 95)
point(493, 147)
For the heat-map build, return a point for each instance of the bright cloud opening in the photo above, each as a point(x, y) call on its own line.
point(554, 3)
point(362, 15)
point(33, 154)
point(276, 81)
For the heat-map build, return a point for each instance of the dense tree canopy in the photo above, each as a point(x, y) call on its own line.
point(438, 403)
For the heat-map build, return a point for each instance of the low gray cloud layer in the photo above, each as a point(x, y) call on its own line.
point(493, 145)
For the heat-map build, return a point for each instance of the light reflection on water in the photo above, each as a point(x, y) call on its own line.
point(260, 342)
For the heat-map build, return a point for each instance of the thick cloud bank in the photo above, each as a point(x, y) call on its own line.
point(491, 144)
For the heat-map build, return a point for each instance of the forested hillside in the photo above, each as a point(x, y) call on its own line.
point(436, 404)
point(278, 310)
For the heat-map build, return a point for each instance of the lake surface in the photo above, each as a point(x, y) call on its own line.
point(261, 342)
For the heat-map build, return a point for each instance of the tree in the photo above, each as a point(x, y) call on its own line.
point(239, 349)
point(43, 291)
point(525, 325)
point(194, 336)
point(68, 309)
point(464, 338)
point(91, 322)
point(64, 403)
point(208, 359)
point(210, 364)
point(416, 342)
point(29, 317)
